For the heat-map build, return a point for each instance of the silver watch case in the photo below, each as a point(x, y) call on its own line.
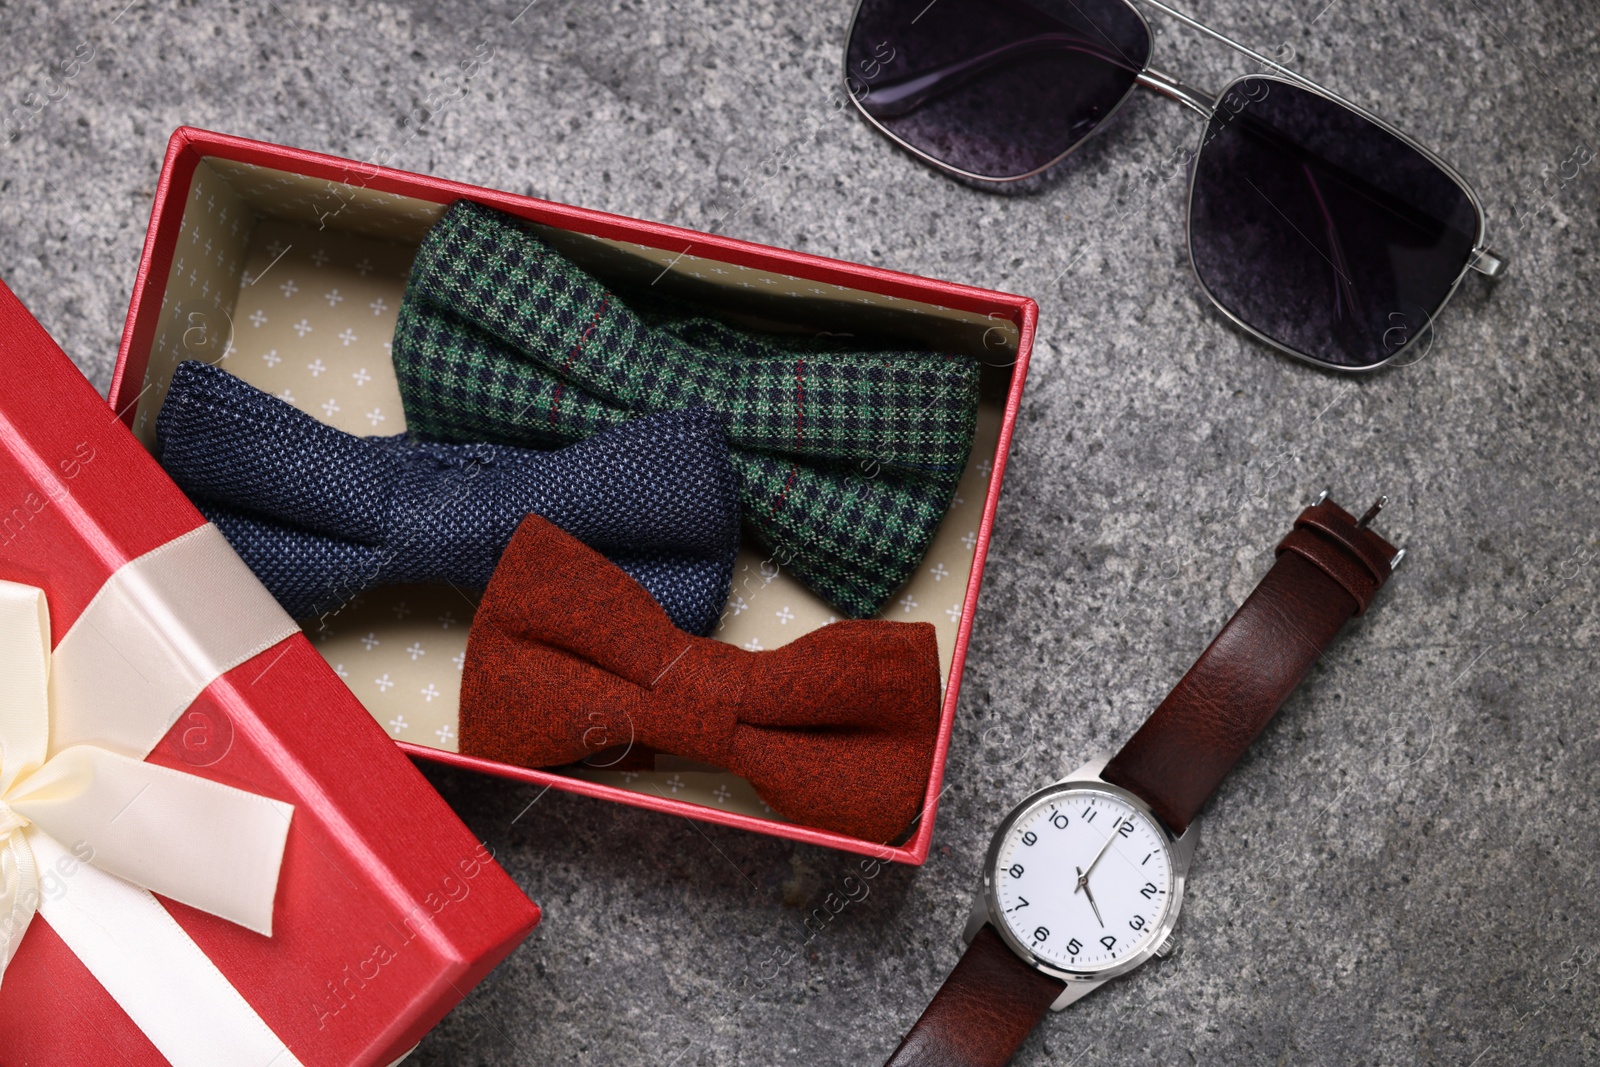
point(986, 906)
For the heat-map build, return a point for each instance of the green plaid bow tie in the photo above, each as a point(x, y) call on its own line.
point(847, 460)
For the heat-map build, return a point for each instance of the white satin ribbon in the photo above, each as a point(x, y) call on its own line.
point(87, 828)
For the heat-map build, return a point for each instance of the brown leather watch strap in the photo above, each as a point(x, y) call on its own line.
point(1328, 570)
point(990, 1002)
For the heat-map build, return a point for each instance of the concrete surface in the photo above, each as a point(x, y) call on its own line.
point(1402, 871)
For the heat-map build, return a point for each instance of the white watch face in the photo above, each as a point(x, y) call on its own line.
point(1083, 879)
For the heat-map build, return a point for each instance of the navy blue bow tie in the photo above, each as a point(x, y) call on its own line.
point(320, 515)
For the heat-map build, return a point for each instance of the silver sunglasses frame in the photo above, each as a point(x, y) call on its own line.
point(1480, 259)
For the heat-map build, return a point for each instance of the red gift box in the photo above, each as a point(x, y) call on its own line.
point(387, 910)
point(286, 266)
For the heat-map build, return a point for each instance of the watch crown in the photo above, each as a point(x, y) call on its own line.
point(1165, 948)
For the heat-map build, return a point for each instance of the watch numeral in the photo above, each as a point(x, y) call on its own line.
point(1059, 821)
point(1022, 902)
point(1149, 891)
point(1126, 829)
point(1109, 942)
point(1041, 934)
point(1074, 947)
point(1030, 838)
point(1088, 815)
point(1015, 870)
point(1137, 922)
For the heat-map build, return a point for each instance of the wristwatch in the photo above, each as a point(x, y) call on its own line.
point(1084, 878)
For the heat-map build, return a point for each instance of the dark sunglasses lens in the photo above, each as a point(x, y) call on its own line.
point(996, 88)
point(1321, 230)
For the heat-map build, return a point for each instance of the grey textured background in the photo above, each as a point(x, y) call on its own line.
point(1402, 871)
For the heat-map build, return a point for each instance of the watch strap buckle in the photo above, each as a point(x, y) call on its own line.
point(1344, 547)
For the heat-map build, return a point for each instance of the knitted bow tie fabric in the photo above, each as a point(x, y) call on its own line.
point(319, 514)
point(846, 460)
point(567, 656)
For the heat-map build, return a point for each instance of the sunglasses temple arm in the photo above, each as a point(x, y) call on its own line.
point(897, 97)
point(1344, 288)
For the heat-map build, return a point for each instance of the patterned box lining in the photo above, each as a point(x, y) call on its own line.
point(292, 283)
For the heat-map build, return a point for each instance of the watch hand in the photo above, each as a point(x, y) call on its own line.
point(1083, 884)
point(1084, 876)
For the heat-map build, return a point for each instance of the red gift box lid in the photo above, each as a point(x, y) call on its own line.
point(388, 909)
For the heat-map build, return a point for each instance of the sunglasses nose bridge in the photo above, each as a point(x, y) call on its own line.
point(1161, 82)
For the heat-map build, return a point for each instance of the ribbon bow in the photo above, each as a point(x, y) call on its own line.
point(847, 460)
point(320, 514)
point(205, 844)
point(567, 656)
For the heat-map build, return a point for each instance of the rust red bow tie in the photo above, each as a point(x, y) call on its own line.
point(568, 655)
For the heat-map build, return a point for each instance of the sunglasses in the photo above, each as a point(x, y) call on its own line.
point(1313, 225)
